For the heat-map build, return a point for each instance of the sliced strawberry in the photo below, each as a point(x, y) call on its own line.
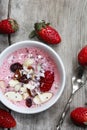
point(47, 81)
point(6, 119)
point(49, 77)
point(45, 87)
point(79, 116)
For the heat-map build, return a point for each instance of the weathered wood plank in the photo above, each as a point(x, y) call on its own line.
point(69, 18)
point(3, 15)
point(77, 38)
point(3, 38)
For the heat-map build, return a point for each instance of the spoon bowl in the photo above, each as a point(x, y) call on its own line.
point(78, 79)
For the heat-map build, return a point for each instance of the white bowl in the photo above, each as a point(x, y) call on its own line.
point(61, 69)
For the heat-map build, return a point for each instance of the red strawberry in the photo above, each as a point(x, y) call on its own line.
point(82, 56)
point(47, 81)
point(46, 33)
point(8, 26)
point(79, 116)
point(6, 119)
point(49, 76)
point(45, 87)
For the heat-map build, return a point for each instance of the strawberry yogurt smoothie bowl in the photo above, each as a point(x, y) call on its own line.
point(29, 77)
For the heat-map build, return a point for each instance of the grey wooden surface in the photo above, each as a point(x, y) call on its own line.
point(69, 17)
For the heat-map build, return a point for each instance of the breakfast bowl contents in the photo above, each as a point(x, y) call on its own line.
point(32, 77)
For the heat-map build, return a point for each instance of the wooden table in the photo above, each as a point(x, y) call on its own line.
point(69, 17)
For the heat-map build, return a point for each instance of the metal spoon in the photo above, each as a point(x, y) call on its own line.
point(78, 81)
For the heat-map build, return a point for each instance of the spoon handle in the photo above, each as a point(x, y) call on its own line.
point(58, 127)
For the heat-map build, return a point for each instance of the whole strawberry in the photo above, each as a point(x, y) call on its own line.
point(46, 33)
point(79, 116)
point(6, 119)
point(8, 26)
point(82, 56)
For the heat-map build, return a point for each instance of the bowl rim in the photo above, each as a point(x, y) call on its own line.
point(27, 111)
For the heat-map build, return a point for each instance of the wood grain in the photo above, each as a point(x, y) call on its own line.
point(3, 15)
point(69, 18)
point(3, 38)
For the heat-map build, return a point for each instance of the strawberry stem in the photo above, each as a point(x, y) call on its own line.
point(40, 25)
point(14, 24)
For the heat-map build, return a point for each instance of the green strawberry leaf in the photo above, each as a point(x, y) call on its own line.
point(32, 34)
point(40, 25)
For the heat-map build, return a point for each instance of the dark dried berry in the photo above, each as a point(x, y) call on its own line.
point(17, 75)
point(32, 93)
point(30, 67)
point(16, 66)
point(28, 102)
point(29, 92)
point(23, 79)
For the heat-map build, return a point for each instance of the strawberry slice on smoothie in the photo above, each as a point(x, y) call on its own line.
point(47, 81)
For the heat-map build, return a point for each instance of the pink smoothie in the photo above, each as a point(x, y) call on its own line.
point(41, 62)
